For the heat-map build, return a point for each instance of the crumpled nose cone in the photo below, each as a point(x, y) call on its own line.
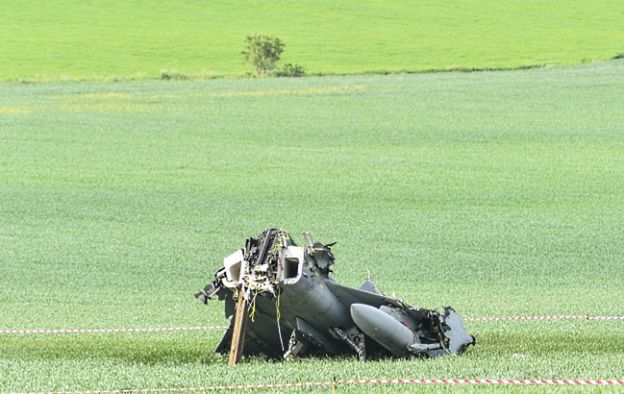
point(382, 328)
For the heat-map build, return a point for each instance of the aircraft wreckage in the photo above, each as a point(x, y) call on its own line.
point(283, 303)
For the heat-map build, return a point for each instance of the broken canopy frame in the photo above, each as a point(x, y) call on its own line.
point(289, 293)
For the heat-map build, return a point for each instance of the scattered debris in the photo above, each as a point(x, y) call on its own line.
point(293, 307)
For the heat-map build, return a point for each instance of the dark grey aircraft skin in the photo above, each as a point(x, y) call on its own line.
point(295, 308)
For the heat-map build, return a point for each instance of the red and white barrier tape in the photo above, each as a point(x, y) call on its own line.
point(220, 328)
point(109, 330)
point(491, 382)
point(561, 317)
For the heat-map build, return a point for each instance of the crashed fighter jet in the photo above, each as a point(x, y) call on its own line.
point(295, 308)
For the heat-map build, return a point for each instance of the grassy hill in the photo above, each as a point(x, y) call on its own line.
point(72, 39)
point(497, 193)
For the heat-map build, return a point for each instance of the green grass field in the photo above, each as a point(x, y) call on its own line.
point(499, 193)
point(104, 40)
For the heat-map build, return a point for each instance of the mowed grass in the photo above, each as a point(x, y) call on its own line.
point(497, 193)
point(77, 40)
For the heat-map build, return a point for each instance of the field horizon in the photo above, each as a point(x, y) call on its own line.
point(73, 40)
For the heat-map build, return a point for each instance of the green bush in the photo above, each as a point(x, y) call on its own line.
point(263, 52)
point(172, 75)
point(290, 70)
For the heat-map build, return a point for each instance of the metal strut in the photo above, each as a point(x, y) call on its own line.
point(354, 338)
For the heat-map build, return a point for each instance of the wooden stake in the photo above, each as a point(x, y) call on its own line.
point(238, 334)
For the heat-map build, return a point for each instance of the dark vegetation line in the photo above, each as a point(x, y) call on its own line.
point(177, 76)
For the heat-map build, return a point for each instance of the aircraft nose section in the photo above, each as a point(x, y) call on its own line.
point(382, 328)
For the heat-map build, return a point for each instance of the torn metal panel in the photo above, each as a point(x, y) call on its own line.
point(296, 308)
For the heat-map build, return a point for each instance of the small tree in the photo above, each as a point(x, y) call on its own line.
point(263, 52)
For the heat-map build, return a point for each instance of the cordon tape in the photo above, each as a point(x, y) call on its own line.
point(109, 330)
point(561, 317)
point(490, 382)
point(32, 331)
